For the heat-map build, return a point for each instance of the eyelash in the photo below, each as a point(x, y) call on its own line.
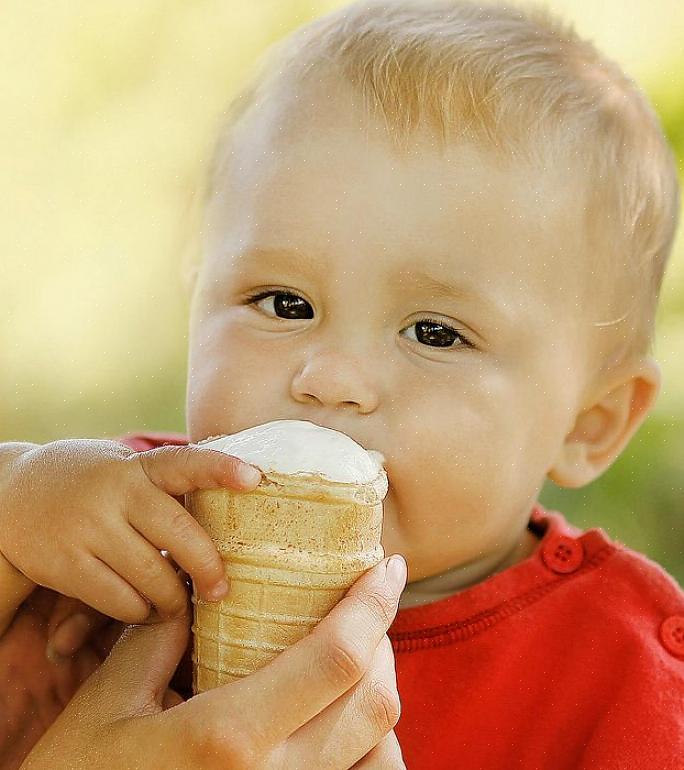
point(252, 299)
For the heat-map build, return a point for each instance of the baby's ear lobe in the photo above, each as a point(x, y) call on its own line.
point(617, 407)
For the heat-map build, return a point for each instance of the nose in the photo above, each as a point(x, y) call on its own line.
point(334, 379)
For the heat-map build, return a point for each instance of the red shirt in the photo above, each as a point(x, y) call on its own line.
point(572, 658)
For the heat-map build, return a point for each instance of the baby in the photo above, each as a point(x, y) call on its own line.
point(440, 228)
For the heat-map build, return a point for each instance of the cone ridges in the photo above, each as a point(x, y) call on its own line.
point(291, 549)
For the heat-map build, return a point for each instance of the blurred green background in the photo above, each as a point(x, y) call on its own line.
point(109, 112)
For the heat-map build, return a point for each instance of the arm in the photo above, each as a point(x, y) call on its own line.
point(14, 586)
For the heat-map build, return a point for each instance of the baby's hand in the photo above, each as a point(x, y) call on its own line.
point(88, 518)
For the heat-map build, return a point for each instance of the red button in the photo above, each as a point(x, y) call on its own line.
point(672, 634)
point(563, 554)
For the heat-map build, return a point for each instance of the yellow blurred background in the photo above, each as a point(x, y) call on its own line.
point(110, 110)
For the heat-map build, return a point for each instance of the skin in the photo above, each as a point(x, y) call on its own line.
point(469, 433)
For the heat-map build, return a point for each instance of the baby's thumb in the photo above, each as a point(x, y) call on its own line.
point(135, 675)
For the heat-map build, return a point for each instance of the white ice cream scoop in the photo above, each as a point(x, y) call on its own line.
point(299, 446)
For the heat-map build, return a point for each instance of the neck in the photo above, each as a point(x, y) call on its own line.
point(436, 587)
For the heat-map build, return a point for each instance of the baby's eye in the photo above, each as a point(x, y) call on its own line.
point(289, 306)
point(282, 304)
point(437, 335)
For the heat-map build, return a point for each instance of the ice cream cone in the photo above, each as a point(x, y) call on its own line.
point(291, 549)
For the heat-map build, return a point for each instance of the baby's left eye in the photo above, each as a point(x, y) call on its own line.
point(437, 335)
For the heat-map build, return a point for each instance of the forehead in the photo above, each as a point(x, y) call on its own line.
point(315, 174)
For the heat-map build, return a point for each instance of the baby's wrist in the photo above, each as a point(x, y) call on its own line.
point(8, 572)
point(14, 585)
point(14, 588)
point(9, 452)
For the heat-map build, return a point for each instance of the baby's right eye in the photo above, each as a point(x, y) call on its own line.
point(282, 304)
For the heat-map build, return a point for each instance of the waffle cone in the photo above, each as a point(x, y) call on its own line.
point(291, 548)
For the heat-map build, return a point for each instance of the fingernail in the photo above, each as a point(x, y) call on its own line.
point(396, 573)
point(63, 641)
point(51, 654)
point(218, 591)
point(249, 475)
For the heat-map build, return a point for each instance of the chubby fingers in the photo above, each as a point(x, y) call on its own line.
point(167, 525)
point(63, 607)
point(164, 522)
point(144, 568)
point(105, 590)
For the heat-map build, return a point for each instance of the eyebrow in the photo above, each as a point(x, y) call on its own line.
point(417, 279)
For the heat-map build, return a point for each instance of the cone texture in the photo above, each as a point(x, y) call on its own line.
point(291, 549)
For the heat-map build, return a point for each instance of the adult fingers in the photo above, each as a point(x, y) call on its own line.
point(136, 674)
point(385, 756)
point(64, 606)
point(120, 705)
point(71, 623)
point(142, 566)
point(330, 660)
point(166, 524)
point(71, 672)
point(181, 469)
point(353, 724)
point(72, 633)
point(105, 638)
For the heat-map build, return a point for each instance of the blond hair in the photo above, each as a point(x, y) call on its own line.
point(520, 83)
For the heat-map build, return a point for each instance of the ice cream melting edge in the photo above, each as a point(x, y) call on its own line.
point(299, 446)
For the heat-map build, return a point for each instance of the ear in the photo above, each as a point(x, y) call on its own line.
point(612, 414)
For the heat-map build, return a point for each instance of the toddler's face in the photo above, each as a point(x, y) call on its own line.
point(431, 307)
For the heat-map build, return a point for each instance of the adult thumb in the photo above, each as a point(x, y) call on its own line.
point(135, 675)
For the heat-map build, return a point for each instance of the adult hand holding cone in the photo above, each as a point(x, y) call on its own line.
point(330, 700)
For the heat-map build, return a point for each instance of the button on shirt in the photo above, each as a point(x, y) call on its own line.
point(672, 635)
point(562, 554)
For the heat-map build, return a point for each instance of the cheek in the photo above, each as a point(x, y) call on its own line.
point(437, 442)
point(468, 445)
point(232, 384)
